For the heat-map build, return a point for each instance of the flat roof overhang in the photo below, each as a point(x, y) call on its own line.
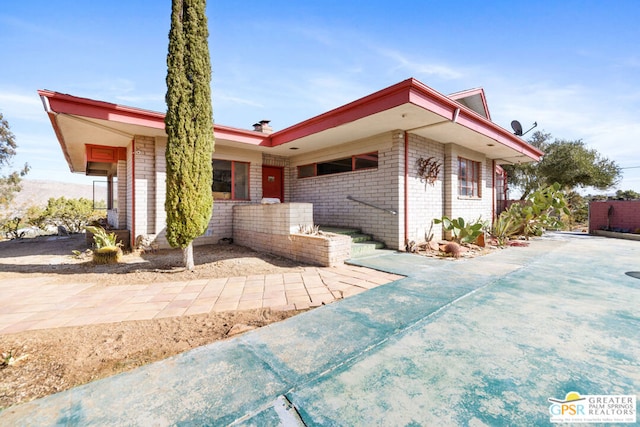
point(79, 122)
point(408, 106)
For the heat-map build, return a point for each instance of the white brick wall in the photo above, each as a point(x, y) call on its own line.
point(145, 185)
point(383, 187)
point(160, 177)
point(425, 199)
point(129, 185)
point(272, 228)
point(123, 202)
point(380, 187)
point(468, 208)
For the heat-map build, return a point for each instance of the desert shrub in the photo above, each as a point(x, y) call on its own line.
point(10, 226)
point(73, 214)
point(579, 209)
point(541, 211)
point(35, 216)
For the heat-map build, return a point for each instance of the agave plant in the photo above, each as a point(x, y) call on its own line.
point(107, 248)
point(504, 227)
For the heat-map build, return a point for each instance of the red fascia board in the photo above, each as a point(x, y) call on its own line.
point(84, 107)
point(426, 97)
point(411, 91)
point(439, 105)
point(385, 99)
point(68, 104)
point(500, 135)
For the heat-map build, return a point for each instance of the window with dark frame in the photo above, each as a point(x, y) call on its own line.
point(346, 164)
point(468, 178)
point(230, 180)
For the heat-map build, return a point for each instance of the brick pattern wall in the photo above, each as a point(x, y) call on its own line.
point(380, 187)
point(277, 219)
point(160, 184)
point(129, 187)
point(145, 185)
point(320, 250)
point(425, 200)
point(221, 224)
point(625, 215)
point(272, 228)
point(123, 201)
point(468, 208)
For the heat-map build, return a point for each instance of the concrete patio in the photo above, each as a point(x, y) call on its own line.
point(483, 341)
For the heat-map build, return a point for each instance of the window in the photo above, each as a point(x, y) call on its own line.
point(230, 180)
point(468, 178)
point(306, 171)
point(347, 164)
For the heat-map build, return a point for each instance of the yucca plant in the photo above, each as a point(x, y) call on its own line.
point(107, 249)
point(504, 227)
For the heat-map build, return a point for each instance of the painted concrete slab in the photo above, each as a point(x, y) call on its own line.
point(484, 341)
point(497, 355)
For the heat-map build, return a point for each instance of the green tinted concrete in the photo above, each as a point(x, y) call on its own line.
point(483, 341)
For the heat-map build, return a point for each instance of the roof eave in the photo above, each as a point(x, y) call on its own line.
point(408, 91)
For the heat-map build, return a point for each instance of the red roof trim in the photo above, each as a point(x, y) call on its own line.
point(417, 93)
point(68, 104)
point(384, 99)
point(407, 91)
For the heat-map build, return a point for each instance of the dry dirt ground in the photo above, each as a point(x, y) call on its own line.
point(38, 363)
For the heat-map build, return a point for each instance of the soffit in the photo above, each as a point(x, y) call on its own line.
point(410, 118)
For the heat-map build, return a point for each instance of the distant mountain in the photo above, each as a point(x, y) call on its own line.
point(38, 192)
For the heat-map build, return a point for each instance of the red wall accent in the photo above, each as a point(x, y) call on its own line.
point(625, 215)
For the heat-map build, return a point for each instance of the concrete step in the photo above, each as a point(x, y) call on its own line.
point(340, 230)
point(365, 248)
point(363, 244)
point(360, 238)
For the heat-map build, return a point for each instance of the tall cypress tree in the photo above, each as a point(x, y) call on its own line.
point(189, 126)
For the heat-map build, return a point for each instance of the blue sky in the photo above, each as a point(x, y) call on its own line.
point(571, 66)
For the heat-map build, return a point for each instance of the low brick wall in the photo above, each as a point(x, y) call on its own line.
point(328, 250)
point(614, 215)
point(273, 229)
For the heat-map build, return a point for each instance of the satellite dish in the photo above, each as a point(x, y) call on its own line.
point(517, 127)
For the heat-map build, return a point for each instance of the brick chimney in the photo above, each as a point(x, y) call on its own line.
point(263, 126)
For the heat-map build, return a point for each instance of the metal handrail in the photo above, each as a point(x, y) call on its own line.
point(391, 211)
